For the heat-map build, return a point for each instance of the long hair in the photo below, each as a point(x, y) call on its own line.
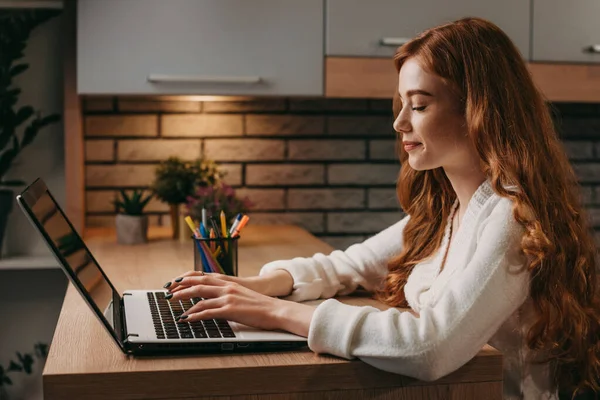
point(511, 127)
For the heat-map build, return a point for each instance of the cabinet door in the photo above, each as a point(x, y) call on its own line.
point(376, 28)
point(216, 47)
point(566, 30)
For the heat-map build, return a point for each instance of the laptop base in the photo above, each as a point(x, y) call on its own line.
point(214, 348)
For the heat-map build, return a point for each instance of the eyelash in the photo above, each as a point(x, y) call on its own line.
point(422, 108)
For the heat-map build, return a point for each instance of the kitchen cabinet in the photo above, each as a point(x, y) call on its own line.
point(376, 28)
point(215, 47)
point(566, 31)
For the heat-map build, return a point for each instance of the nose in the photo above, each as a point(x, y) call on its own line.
point(402, 123)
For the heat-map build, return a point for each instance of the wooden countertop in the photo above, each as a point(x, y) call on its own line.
point(84, 359)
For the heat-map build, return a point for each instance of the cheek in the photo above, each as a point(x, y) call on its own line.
point(439, 130)
point(429, 128)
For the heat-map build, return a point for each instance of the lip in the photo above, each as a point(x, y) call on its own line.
point(408, 146)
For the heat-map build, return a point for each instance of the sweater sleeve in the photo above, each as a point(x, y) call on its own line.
point(341, 272)
point(479, 297)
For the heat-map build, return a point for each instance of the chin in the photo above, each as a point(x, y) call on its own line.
point(421, 165)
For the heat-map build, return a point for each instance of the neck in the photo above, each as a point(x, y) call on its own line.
point(465, 182)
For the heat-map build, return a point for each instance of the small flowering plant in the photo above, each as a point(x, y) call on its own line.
point(216, 198)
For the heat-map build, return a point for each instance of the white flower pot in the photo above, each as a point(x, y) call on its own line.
point(132, 229)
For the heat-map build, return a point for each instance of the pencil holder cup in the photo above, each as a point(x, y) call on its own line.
point(216, 255)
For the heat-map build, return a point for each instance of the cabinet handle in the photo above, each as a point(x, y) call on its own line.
point(393, 41)
point(595, 48)
point(164, 78)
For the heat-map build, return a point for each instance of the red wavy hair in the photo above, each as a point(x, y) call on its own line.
point(511, 127)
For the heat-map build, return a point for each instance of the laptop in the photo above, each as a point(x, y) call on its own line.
point(141, 322)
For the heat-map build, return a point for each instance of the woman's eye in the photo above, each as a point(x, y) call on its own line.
point(419, 108)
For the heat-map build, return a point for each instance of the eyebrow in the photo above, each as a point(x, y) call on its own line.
point(417, 91)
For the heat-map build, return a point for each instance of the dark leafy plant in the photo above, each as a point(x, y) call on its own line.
point(23, 363)
point(134, 204)
point(69, 244)
point(217, 198)
point(15, 28)
point(176, 179)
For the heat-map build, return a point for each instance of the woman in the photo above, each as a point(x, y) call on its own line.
point(494, 248)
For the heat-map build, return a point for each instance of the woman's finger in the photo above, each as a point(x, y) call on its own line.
point(214, 312)
point(205, 304)
point(176, 282)
point(178, 288)
point(173, 283)
point(187, 281)
point(213, 280)
point(206, 291)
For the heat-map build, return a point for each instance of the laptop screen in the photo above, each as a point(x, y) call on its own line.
point(72, 254)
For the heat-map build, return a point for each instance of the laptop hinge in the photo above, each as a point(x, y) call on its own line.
point(124, 333)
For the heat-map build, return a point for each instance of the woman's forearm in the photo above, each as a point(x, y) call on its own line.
point(277, 283)
point(294, 317)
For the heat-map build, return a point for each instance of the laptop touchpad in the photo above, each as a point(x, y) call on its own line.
point(249, 333)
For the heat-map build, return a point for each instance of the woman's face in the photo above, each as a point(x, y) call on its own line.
point(431, 125)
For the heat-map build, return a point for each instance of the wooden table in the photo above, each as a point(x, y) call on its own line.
point(84, 362)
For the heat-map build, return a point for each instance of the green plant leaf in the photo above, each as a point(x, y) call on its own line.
point(120, 206)
point(11, 97)
point(134, 203)
point(145, 201)
point(29, 134)
point(126, 200)
point(123, 203)
point(23, 115)
point(18, 69)
point(49, 119)
point(135, 199)
point(7, 101)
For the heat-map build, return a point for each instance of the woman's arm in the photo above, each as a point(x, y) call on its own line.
point(339, 273)
point(476, 301)
point(249, 301)
point(277, 283)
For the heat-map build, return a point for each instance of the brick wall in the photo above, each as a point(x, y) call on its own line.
point(326, 164)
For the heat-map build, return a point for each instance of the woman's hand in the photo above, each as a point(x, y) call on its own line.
point(276, 283)
point(177, 284)
point(227, 299)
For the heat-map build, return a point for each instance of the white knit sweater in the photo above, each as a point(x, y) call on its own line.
point(479, 297)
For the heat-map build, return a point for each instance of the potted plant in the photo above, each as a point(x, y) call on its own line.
point(176, 179)
point(217, 198)
point(131, 223)
point(23, 363)
point(19, 125)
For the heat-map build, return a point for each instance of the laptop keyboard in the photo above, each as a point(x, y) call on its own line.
point(164, 313)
